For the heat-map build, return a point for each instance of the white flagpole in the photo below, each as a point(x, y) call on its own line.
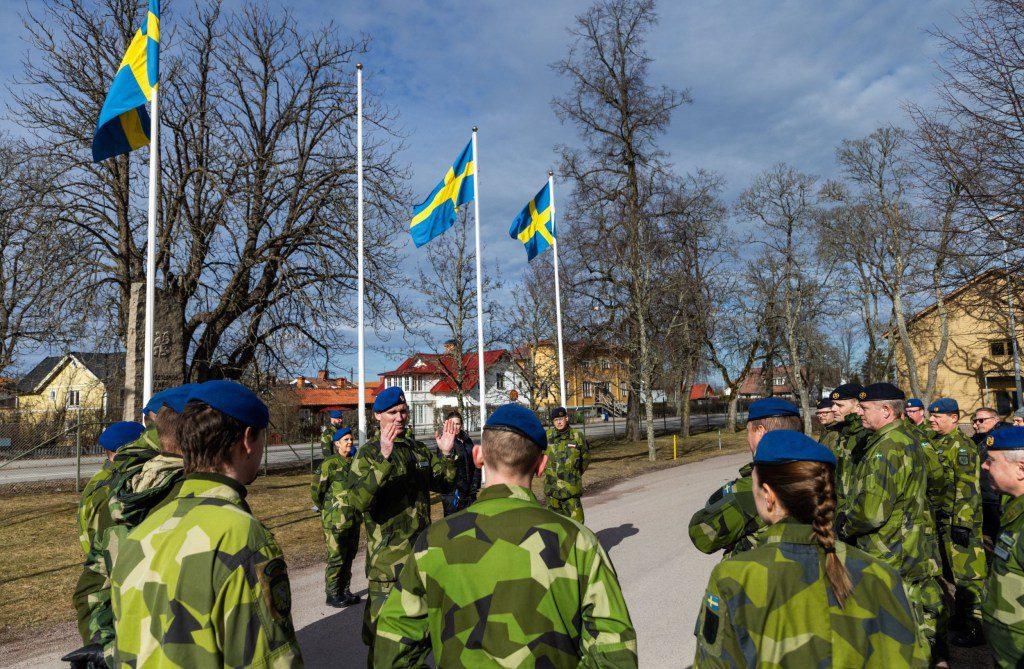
point(479, 289)
point(359, 244)
point(558, 296)
point(154, 161)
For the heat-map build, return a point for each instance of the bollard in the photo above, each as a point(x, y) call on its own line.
point(719, 440)
point(673, 447)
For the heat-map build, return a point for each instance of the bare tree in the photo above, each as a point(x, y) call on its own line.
point(621, 186)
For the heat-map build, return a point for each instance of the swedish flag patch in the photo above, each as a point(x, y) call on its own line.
point(712, 602)
point(727, 488)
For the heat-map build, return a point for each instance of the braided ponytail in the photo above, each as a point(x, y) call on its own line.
point(807, 491)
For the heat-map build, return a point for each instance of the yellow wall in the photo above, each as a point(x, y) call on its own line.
point(72, 377)
point(977, 316)
point(591, 369)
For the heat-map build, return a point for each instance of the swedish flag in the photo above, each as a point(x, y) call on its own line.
point(124, 121)
point(437, 213)
point(535, 224)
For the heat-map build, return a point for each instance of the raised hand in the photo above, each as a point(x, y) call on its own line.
point(446, 438)
point(388, 434)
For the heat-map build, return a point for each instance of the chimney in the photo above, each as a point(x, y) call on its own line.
point(449, 347)
point(321, 375)
point(300, 382)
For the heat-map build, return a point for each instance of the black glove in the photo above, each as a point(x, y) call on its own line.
point(86, 657)
point(840, 526)
point(961, 536)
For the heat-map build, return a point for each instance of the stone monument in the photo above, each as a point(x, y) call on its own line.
point(168, 348)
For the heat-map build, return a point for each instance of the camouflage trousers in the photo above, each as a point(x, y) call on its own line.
point(570, 507)
point(928, 599)
point(376, 595)
point(341, 550)
point(969, 571)
point(84, 600)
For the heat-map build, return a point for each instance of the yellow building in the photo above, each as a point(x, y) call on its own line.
point(977, 369)
point(596, 376)
point(74, 382)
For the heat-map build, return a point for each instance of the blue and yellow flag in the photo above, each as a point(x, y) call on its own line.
point(437, 213)
point(535, 224)
point(124, 121)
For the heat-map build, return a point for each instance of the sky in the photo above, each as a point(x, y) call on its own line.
point(771, 82)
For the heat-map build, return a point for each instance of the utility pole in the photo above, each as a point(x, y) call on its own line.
point(1013, 327)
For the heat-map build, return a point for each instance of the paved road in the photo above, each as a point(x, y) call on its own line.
point(58, 469)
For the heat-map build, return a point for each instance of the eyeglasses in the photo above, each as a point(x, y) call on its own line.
point(982, 420)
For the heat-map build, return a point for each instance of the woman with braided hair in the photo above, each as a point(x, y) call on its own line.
point(799, 599)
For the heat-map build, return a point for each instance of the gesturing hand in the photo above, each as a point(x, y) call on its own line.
point(388, 434)
point(446, 438)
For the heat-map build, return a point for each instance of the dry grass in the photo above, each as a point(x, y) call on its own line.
point(42, 558)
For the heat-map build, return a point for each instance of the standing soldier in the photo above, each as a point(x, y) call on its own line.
point(390, 485)
point(885, 512)
point(94, 514)
point(985, 421)
point(843, 436)
point(467, 474)
point(823, 412)
point(507, 582)
point(334, 423)
point(798, 599)
point(962, 540)
point(915, 414)
point(568, 458)
point(1004, 606)
point(729, 520)
point(201, 582)
point(341, 527)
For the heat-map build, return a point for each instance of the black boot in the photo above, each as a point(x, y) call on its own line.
point(337, 600)
point(348, 599)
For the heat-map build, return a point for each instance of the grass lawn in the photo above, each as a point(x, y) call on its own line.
point(42, 558)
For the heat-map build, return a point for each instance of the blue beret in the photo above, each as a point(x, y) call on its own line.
point(771, 406)
point(518, 419)
point(1006, 439)
point(233, 399)
point(915, 403)
point(334, 414)
point(156, 401)
point(177, 398)
point(388, 398)
point(944, 405)
point(341, 432)
point(780, 446)
point(118, 434)
point(881, 392)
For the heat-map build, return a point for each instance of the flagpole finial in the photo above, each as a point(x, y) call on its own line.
point(474, 128)
point(551, 173)
point(359, 66)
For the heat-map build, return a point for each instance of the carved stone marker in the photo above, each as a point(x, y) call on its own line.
point(168, 349)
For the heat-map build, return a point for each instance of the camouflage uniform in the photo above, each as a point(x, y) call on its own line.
point(507, 583)
point(1003, 608)
point(393, 496)
point(845, 439)
point(202, 583)
point(568, 458)
point(772, 607)
point(92, 592)
point(961, 537)
point(341, 527)
point(886, 514)
point(729, 520)
point(327, 440)
point(139, 490)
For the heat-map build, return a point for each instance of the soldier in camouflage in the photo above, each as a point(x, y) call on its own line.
point(507, 582)
point(568, 458)
point(390, 484)
point(798, 599)
point(729, 520)
point(886, 513)
point(200, 582)
point(334, 423)
point(823, 413)
point(1003, 607)
point(962, 534)
point(939, 472)
point(846, 435)
point(341, 526)
point(94, 513)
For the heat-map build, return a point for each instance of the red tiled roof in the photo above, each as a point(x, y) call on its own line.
point(701, 391)
point(471, 371)
point(335, 398)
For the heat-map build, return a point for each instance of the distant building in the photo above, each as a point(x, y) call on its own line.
point(758, 381)
point(702, 392)
point(73, 382)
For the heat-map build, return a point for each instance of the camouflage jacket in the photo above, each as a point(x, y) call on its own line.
point(393, 496)
point(568, 457)
point(885, 512)
point(137, 492)
point(772, 607)
point(331, 468)
point(202, 583)
point(849, 449)
point(507, 583)
point(1003, 608)
point(963, 532)
point(729, 520)
point(939, 473)
point(336, 514)
point(93, 514)
point(327, 440)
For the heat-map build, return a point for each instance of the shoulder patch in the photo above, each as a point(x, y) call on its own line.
point(727, 488)
point(273, 578)
point(712, 602)
point(710, 630)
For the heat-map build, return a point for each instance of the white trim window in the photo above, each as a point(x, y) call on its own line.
point(73, 398)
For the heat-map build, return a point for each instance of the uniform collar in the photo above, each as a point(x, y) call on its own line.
point(747, 469)
point(1012, 510)
point(887, 428)
point(789, 531)
point(504, 491)
point(212, 484)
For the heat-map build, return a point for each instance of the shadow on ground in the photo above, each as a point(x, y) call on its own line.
point(335, 641)
point(613, 536)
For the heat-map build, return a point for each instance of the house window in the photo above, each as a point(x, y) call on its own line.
point(779, 381)
point(586, 365)
point(588, 388)
point(501, 382)
point(606, 364)
point(1000, 348)
point(53, 394)
point(73, 398)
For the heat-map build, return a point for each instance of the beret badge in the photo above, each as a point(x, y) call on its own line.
point(835, 396)
point(989, 440)
point(863, 395)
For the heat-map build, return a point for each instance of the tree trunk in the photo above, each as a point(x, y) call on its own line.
point(730, 417)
